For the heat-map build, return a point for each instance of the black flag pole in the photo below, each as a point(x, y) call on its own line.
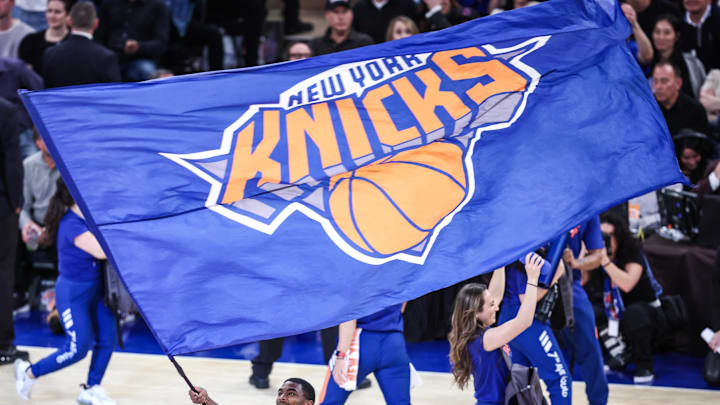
point(182, 374)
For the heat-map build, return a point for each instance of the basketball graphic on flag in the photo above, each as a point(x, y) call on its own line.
point(394, 204)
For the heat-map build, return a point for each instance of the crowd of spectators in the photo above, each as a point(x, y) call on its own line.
point(54, 43)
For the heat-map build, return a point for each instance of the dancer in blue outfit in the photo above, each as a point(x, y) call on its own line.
point(582, 344)
point(536, 346)
point(382, 352)
point(475, 345)
point(88, 323)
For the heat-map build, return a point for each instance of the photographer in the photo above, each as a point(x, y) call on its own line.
point(623, 263)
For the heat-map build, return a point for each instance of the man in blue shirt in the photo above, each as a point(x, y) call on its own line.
point(582, 341)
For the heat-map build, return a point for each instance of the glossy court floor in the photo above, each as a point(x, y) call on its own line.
point(140, 374)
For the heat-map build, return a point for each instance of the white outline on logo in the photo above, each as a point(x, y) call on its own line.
point(212, 200)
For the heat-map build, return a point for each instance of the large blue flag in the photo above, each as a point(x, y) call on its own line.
point(265, 202)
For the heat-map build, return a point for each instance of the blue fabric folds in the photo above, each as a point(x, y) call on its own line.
point(255, 203)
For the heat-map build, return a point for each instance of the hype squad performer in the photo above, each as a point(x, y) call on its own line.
point(536, 346)
point(582, 342)
point(475, 346)
point(88, 323)
point(382, 352)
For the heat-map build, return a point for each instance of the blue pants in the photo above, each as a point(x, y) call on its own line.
point(537, 347)
point(138, 70)
point(88, 324)
point(586, 349)
point(383, 354)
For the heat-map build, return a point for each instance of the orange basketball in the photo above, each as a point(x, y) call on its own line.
point(393, 204)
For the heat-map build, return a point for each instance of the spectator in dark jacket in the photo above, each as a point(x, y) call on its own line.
point(701, 32)
point(15, 75)
point(78, 59)
point(137, 31)
point(680, 111)
point(372, 17)
point(340, 36)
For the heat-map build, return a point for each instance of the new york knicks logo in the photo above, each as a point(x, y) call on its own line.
point(378, 152)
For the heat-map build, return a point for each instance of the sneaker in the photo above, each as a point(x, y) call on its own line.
point(23, 383)
point(11, 353)
point(94, 395)
point(643, 376)
point(366, 383)
point(259, 382)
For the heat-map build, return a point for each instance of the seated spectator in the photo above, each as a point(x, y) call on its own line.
point(340, 36)
point(701, 31)
point(33, 46)
point(137, 31)
point(38, 187)
point(293, 391)
point(680, 111)
point(15, 75)
point(693, 151)
point(400, 27)
point(648, 12)
point(639, 43)
point(12, 30)
point(373, 17)
point(666, 42)
point(79, 59)
point(441, 14)
point(32, 13)
point(710, 97)
point(623, 264)
point(190, 30)
point(297, 50)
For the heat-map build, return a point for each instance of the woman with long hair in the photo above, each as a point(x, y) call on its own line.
point(666, 46)
point(694, 152)
point(89, 324)
point(400, 27)
point(475, 345)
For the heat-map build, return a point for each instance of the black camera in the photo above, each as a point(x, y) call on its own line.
point(606, 240)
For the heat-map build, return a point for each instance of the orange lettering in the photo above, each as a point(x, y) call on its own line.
point(319, 128)
point(504, 79)
point(247, 163)
point(423, 107)
point(354, 130)
point(384, 126)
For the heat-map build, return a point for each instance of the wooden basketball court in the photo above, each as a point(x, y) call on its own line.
point(152, 380)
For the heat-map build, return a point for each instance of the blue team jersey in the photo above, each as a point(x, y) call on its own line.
point(588, 232)
point(490, 373)
point(74, 263)
point(515, 283)
point(389, 319)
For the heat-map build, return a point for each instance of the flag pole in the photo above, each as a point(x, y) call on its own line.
point(182, 374)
